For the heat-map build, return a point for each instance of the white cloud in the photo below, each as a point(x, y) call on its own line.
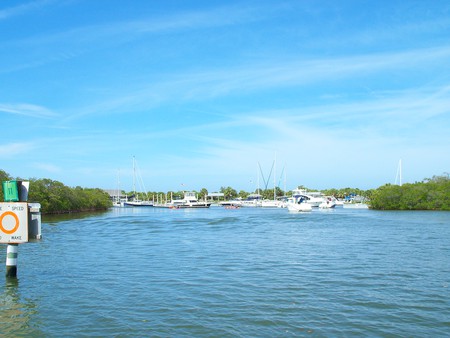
point(276, 73)
point(23, 8)
point(26, 109)
point(15, 149)
point(47, 167)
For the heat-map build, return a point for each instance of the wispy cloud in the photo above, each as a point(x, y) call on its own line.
point(116, 32)
point(26, 109)
point(284, 72)
point(23, 8)
point(15, 149)
point(273, 74)
point(47, 167)
point(74, 42)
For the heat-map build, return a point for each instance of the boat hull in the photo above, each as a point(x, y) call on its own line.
point(299, 207)
point(138, 204)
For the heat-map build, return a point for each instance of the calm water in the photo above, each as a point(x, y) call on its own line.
point(233, 273)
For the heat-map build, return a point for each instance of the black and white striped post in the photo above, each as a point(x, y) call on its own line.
point(12, 252)
point(20, 221)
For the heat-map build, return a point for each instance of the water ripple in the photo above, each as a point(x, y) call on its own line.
point(236, 273)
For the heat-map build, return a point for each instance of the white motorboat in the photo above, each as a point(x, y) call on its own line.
point(270, 204)
point(313, 198)
point(356, 206)
point(328, 203)
point(189, 201)
point(253, 200)
point(298, 204)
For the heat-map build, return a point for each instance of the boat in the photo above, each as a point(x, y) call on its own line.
point(135, 201)
point(138, 203)
point(358, 205)
point(253, 201)
point(232, 206)
point(328, 203)
point(354, 201)
point(118, 200)
point(298, 204)
point(339, 202)
point(313, 198)
point(189, 201)
point(270, 203)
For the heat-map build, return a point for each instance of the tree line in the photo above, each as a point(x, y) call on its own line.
point(55, 197)
point(429, 194)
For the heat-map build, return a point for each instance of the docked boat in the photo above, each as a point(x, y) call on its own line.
point(328, 203)
point(231, 206)
point(117, 197)
point(358, 205)
point(138, 203)
point(313, 198)
point(189, 201)
point(298, 204)
point(253, 200)
point(354, 201)
point(135, 201)
point(118, 201)
point(271, 204)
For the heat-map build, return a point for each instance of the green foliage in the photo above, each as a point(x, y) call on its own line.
point(4, 176)
point(430, 194)
point(342, 193)
point(229, 193)
point(268, 193)
point(203, 194)
point(55, 197)
point(243, 194)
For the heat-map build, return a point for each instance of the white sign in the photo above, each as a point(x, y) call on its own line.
point(14, 222)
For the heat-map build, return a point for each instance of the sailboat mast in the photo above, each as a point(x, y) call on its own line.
point(134, 177)
point(275, 178)
point(118, 185)
point(257, 182)
point(399, 173)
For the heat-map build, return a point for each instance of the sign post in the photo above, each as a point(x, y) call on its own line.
point(14, 222)
point(15, 217)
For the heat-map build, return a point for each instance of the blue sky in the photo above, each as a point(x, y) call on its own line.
point(204, 93)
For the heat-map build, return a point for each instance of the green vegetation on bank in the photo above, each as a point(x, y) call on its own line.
point(430, 194)
point(56, 198)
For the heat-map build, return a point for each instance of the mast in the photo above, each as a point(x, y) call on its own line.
point(134, 178)
point(398, 177)
point(275, 178)
point(118, 186)
point(257, 186)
